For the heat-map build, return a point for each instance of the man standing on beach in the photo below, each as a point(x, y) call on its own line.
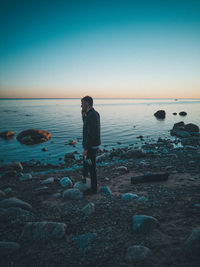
point(91, 140)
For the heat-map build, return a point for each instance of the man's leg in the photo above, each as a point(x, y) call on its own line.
point(93, 174)
point(85, 170)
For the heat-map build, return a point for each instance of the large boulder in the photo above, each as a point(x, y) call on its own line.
point(7, 135)
point(160, 114)
point(83, 187)
point(33, 136)
point(183, 130)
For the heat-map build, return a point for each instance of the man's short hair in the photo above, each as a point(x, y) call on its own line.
point(88, 99)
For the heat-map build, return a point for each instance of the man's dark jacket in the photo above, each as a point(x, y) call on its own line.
point(91, 129)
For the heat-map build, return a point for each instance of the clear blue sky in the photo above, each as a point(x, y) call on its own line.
point(100, 48)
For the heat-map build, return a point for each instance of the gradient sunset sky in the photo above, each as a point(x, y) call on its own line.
point(129, 49)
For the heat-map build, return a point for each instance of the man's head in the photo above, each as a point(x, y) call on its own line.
point(86, 103)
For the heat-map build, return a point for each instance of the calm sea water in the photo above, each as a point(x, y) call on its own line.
point(122, 120)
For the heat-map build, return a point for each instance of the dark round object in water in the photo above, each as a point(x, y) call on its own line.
point(33, 136)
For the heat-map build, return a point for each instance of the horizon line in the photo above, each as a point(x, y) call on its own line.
point(35, 98)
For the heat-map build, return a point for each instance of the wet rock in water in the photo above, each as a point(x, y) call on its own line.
point(43, 231)
point(49, 180)
point(182, 113)
point(191, 128)
point(183, 130)
point(174, 113)
point(13, 166)
point(7, 248)
point(135, 153)
point(26, 177)
point(83, 186)
point(143, 224)
point(7, 135)
point(137, 253)
point(105, 191)
point(192, 243)
point(160, 114)
point(13, 213)
point(129, 196)
point(44, 149)
point(88, 209)
point(83, 241)
point(66, 182)
point(73, 194)
point(33, 136)
point(14, 202)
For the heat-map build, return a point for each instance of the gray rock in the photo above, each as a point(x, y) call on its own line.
point(66, 182)
point(88, 209)
point(144, 224)
point(41, 189)
point(122, 168)
point(83, 186)
point(14, 202)
point(142, 199)
point(129, 196)
point(105, 191)
point(192, 243)
point(72, 194)
point(137, 253)
point(13, 213)
point(26, 177)
point(7, 248)
point(8, 190)
point(49, 180)
point(83, 241)
point(43, 231)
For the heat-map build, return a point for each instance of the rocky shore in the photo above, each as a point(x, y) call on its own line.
point(47, 219)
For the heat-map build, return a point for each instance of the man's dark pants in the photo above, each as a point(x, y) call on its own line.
point(90, 167)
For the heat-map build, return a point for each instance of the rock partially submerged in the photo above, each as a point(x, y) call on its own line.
point(183, 130)
point(7, 135)
point(160, 114)
point(33, 136)
point(182, 113)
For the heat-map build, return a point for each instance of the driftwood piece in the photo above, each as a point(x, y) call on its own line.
point(149, 178)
